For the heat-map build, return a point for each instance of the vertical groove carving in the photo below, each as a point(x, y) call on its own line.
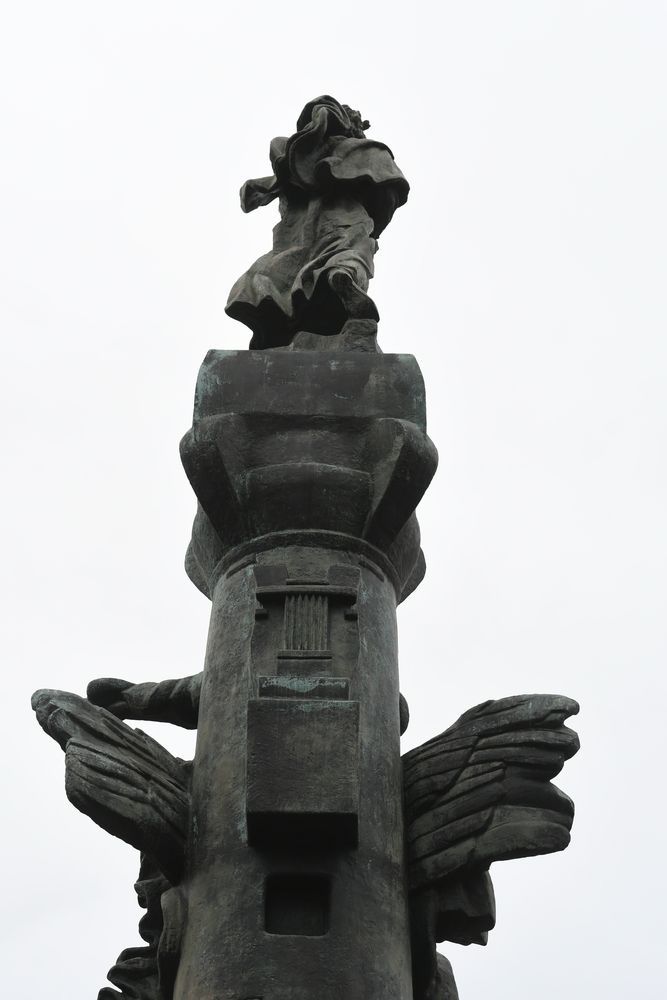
point(306, 625)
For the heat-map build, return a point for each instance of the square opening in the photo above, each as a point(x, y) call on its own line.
point(297, 904)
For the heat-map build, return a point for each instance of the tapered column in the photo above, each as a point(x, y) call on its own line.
point(305, 540)
point(297, 833)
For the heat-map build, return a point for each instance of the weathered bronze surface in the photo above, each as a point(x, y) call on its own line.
point(299, 855)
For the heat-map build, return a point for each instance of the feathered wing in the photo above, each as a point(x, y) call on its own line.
point(136, 790)
point(124, 780)
point(481, 792)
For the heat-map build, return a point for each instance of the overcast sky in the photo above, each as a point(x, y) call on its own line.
point(527, 275)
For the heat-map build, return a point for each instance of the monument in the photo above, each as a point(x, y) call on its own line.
point(299, 856)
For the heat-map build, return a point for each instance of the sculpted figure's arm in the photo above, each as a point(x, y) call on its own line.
point(175, 701)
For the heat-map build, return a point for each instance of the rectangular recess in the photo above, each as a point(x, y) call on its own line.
point(305, 654)
point(329, 688)
point(297, 904)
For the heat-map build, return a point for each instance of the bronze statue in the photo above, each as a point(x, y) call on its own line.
point(337, 192)
point(300, 855)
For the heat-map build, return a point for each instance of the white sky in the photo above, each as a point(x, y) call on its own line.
point(526, 273)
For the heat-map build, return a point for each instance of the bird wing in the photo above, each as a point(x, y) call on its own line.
point(125, 781)
point(481, 792)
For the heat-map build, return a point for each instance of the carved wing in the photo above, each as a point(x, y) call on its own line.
point(136, 790)
point(481, 792)
point(124, 780)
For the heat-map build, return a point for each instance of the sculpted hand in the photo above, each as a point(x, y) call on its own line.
point(174, 700)
point(122, 698)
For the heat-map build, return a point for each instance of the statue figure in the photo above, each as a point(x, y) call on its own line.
point(300, 854)
point(337, 192)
